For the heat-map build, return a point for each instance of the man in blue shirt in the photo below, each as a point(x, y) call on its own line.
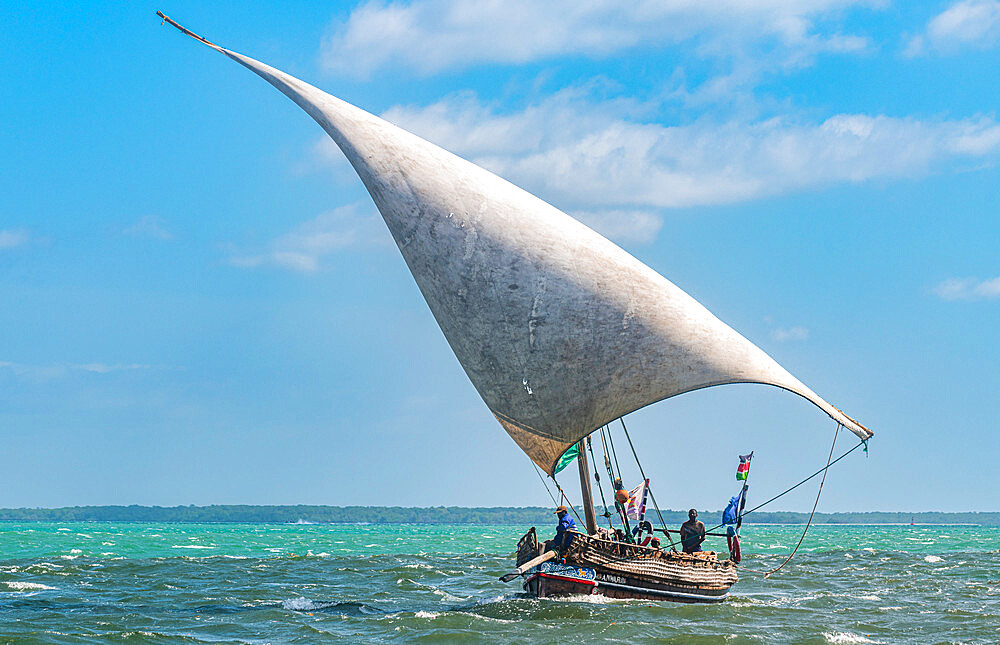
point(563, 536)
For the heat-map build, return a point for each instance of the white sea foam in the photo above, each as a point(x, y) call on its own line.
point(427, 614)
point(845, 638)
point(44, 566)
point(64, 529)
point(594, 600)
point(17, 585)
point(302, 604)
point(447, 597)
point(933, 558)
point(191, 546)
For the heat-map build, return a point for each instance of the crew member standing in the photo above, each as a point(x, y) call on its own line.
point(692, 533)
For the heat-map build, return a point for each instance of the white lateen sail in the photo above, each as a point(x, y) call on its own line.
point(560, 330)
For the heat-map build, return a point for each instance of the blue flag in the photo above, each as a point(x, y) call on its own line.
point(732, 511)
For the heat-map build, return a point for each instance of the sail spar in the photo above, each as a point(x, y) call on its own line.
point(559, 329)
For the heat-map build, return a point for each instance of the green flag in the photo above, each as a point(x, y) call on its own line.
point(567, 457)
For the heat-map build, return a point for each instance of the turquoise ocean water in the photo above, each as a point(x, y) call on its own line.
point(221, 583)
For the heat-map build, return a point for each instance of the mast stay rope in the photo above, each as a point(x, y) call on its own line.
point(547, 490)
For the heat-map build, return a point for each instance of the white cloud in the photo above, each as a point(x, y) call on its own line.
point(304, 247)
point(968, 289)
point(434, 35)
point(791, 333)
point(623, 225)
point(966, 24)
point(104, 368)
point(588, 156)
point(13, 237)
point(60, 370)
point(149, 226)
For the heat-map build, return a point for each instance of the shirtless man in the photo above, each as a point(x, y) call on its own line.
point(692, 533)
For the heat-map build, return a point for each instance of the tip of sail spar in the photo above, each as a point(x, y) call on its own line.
point(525, 293)
point(184, 30)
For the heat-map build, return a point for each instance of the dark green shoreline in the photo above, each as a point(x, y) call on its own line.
point(437, 515)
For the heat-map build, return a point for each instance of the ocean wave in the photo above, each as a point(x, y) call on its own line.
point(933, 558)
point(191, 546)
point(845, 638)
point(427, 614)
point(42, 566)
point(17, 585)
point(445, 596)
point(346, 608)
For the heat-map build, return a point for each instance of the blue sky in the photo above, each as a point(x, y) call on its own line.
point(199, 303)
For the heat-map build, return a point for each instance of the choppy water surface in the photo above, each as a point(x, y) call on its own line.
point(72, 583)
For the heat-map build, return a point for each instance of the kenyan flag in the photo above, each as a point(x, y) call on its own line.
point(744, 468)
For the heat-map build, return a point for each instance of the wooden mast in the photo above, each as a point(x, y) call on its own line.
point(588, 495)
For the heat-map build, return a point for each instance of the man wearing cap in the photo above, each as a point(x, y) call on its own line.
point(692, 533)
point(563, 536)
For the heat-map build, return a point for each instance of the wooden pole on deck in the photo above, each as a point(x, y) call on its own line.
point(588, 496)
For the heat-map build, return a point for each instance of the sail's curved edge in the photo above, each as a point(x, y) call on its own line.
point(557, 327)
point(546, 451)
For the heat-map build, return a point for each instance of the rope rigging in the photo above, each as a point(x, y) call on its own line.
point(539, 473)
point(815, 504)
point(613, 453)
point(606, 439)
point(863, 442)
point(568, 503)
point(648, 487)
point(829, 464)
point(597, 476)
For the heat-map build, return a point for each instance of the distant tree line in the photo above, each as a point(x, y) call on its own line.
point(521, 516)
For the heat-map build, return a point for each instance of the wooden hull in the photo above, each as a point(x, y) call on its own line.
point(560, 580)
point(595, 566)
